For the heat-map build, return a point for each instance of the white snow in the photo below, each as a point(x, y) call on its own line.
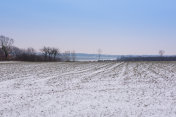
point(88, 89)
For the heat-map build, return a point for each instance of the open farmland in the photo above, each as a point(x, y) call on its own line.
point(112, 89)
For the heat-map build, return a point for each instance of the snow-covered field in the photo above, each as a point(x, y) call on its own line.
point(88, 89)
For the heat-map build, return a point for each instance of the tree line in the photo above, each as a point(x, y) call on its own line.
point(10, 52)
point(155, 58)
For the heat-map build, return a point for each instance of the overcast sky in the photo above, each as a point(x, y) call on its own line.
point(115, 26)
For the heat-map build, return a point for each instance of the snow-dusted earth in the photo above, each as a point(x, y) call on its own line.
point(88, 89)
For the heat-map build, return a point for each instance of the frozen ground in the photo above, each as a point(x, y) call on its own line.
point(88, 89)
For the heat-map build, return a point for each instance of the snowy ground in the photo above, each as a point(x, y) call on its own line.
point(88, 89)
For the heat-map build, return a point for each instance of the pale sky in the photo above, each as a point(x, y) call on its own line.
point(140, 27)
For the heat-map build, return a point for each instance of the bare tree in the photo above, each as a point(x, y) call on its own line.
point(161, 52)
point(99, 54)
point(50, 53)
point(1, 54)
point(73, 56)
point(31, 51)
point(55, 52)
point(44, 51)
point(16, 51)
point(49, 50)
point(66, 56)
point(5, 45)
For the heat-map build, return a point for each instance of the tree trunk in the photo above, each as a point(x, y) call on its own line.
point(5, 52)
